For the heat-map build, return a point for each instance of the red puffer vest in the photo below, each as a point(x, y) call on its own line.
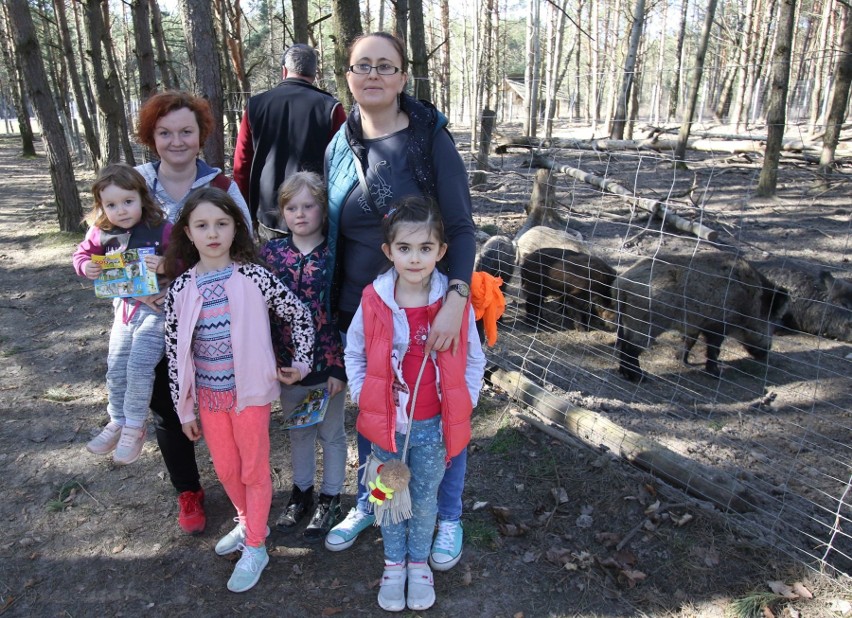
point(377, 412)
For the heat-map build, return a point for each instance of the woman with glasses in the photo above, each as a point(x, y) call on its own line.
point(393, 146)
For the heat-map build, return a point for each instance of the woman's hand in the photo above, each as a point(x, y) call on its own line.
point(289, 375)
point(92, 270)
point(445, 332)
point(155, 263)
point(191, 430)
point(335, 386)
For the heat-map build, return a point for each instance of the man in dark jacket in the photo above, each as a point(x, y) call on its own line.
point(284, 130)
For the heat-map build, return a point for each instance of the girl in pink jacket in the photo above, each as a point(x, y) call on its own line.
point(220, 357)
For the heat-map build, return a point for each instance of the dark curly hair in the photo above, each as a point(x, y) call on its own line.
point(162, 103)
point(182, 254)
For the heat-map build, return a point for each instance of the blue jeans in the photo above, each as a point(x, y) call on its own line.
point(449, 493)
point(412, 538)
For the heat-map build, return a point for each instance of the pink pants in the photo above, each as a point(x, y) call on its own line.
point(239, 446)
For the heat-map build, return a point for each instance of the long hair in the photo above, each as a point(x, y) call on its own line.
point(125, 177)
point(162, 103)
point(182, 254)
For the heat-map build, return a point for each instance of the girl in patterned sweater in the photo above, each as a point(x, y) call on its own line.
point(220, 355)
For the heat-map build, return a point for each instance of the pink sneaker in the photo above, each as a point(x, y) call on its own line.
point(129, 445)
point(106, 441)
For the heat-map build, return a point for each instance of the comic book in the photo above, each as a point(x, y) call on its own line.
point(125, 274)
point(310, 411)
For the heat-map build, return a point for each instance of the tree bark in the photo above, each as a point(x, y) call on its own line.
point(144, 49)
point(77, 86)
point(19, 89)
point(110, 110)
point(115, 87)
point(419, 58)
point(620, 117)
point(69, 209)
point(200, 33)
point(776, 117)
point(700, 54)
point(400, 19)
point(488, 118)
point(445, 57)
point(346, 16)
point(167, 74)
point(818, 73)
point(531, 75)
point(300, 21)
point(681, 35)
point(839, 99)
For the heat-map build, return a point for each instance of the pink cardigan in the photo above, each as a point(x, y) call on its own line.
point(252, 291)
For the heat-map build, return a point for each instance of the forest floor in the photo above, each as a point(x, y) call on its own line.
point(550, 530)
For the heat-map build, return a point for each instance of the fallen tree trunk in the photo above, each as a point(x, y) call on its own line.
point(655, 207)
point(595, 431)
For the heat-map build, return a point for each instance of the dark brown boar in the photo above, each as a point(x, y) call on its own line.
point(582, 282)
point(820, 304)
point(712, 294)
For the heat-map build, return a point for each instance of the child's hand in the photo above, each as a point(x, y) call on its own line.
point(155, 263)
point(289, 375)
point(335, 386)
point(154, 301)
point(92, 270)
point(191, 430)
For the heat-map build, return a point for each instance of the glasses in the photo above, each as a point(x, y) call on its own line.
point(366, 69)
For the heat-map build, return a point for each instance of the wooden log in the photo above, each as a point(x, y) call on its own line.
point(489, 116)
point(595, 431)
point(655, 207)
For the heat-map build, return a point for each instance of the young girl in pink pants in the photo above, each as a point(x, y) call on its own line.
point(220, 357)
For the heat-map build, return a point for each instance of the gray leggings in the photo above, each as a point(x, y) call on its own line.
point(331, 435)
point(135, 349)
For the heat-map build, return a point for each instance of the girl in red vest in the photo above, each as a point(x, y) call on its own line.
point(384, 352)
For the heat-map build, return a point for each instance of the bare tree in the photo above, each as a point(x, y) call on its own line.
point(115, 86)
point(197, 18)
point(144, 48)
point(840, 97)
point(69, 209)
point(445, 57)
point(167, 73)
point(347, 25)
point(776, 116)
point(620, 117)
point(19, 90)
point(819, 66)
point(681, 35)
point(531, 75)
point(110, 110)
point(419, 57)
point(683, 135)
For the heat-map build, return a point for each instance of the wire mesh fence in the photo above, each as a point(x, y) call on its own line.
point(699, 332)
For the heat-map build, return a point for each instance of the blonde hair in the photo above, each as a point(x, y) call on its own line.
point(303, 180)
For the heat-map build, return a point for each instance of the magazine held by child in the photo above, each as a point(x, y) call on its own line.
point(125, 274)
point(311, 411)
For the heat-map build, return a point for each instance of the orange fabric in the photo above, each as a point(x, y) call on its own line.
point(488, 302)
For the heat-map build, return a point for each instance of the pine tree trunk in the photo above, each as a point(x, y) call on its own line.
point(675, 90)
point(445, 57)
point(77, 86)
point(839, 99)
point(300, 21)
point(69, 209)
point(531, 75)
point(346, 16)
point(19, 90)
point(115, 86)
point(144, 49)
point(167, 74)
point(197, 18)
point(400, 20)
point(819, 70)
point(700, 54)
point(109, 108)
point(620, 117)
point(776, 116)
point(419, 59)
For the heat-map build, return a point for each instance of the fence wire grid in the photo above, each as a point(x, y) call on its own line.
point(768, 440)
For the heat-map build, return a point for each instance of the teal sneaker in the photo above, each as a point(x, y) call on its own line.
point(249, 567)
point(343, 535)
point(447, 547)
point(231, 542)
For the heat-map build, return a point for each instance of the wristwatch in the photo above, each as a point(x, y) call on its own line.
point(462, 289)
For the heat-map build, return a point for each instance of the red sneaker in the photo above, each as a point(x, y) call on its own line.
point(191, 518)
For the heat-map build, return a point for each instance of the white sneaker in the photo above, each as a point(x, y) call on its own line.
point(129, 445)
point(106, 441)
point(421, 586)
point(392, 589)
point(231, 542)
point(249, 568)
point(343, 535)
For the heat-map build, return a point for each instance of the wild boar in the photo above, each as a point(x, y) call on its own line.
point(712, 294)
point(582, 282)
point(820, 304)
point(497, 258)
